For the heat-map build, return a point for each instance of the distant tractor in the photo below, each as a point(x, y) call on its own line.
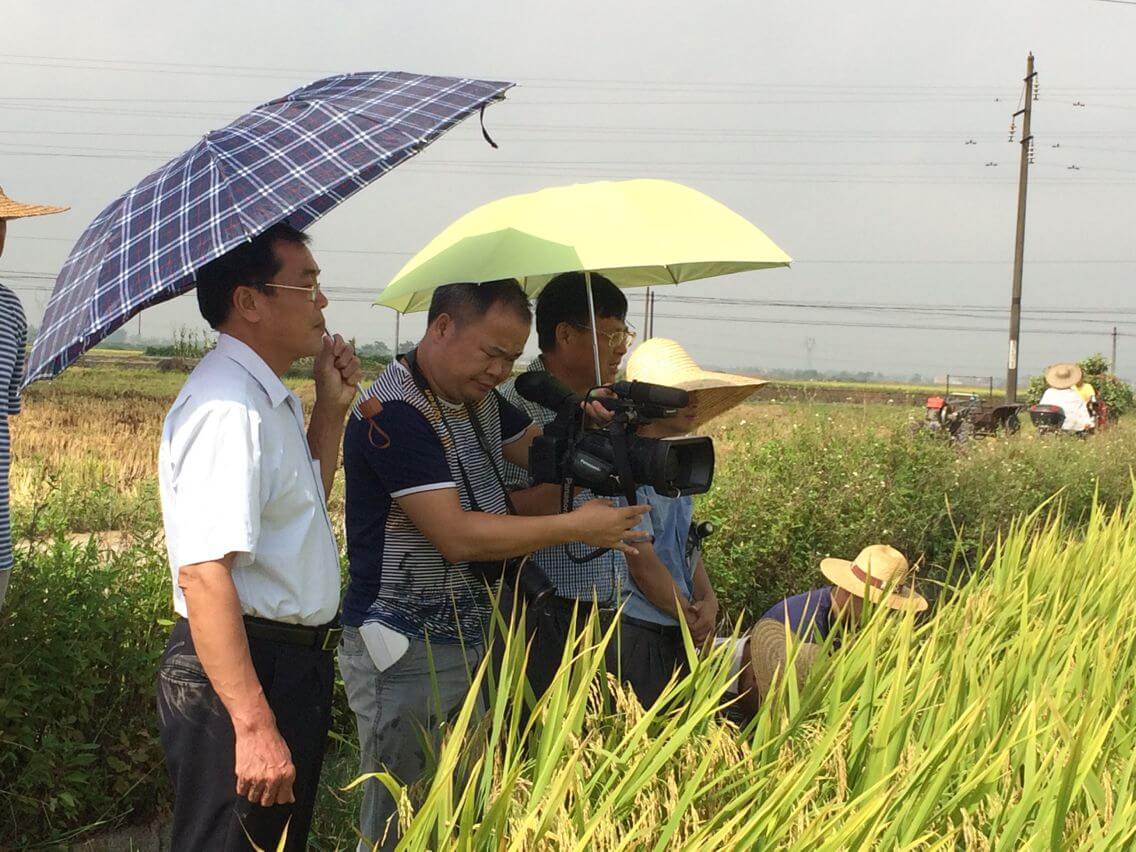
point(962, 415)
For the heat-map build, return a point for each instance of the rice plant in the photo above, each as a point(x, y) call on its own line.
point(1003, 721)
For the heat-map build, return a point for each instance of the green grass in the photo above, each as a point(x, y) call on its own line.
point(882, 387)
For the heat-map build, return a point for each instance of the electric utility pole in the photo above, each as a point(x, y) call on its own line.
point(1112, 369)
point(1019, 241)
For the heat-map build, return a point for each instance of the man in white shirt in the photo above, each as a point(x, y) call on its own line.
point(1062, 392)
point(244, 685)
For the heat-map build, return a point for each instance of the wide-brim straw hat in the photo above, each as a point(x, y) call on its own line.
point(770, 644)
point(664, 362)
point(1061, 376)
point(879, 573)
point(10, 209)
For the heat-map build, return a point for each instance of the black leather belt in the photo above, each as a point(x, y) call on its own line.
point(566, 605)
point(652, 626)
point(323, 638)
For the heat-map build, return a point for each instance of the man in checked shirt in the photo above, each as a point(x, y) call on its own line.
point(564, 334)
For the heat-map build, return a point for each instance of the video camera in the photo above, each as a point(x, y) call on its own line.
point(613, 460)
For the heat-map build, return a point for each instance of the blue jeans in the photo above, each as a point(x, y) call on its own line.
point(392, 710)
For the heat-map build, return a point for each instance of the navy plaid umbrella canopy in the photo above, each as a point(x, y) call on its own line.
point(295, 157)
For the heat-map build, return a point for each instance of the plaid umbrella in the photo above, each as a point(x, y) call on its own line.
point(295, 157)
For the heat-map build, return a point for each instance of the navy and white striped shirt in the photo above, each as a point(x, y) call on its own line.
point(398, 577)
point(13, 342)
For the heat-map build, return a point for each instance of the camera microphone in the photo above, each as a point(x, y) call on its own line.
point(544, 389)
point(646, 393)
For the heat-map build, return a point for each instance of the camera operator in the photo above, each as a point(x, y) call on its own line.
point(564, 333)
point(424, 454)
point(669, 580)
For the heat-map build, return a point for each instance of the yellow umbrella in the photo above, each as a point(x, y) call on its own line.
point(638, 233)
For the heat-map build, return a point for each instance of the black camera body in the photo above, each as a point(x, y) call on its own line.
point(613, 460)
point(520, 571)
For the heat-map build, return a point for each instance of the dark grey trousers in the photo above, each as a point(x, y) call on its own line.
point(650, 654)
point(198, 740)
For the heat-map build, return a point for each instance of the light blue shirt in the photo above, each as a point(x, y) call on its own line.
point(669, 523)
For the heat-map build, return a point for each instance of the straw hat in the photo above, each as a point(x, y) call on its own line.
point(664, 362)
point(769, 645)
point(877, 568)
point(1061, 376)
point(10, 209)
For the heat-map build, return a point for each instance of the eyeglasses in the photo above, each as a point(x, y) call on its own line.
point(313, 291)
point(615, 339)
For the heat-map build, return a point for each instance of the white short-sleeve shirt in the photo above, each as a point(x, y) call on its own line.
point(236, 476)
point(1077, 417)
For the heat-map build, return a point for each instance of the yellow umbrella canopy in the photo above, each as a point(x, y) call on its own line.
point(638, 233)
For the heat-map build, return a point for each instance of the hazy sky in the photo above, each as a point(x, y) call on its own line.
point(839, 128)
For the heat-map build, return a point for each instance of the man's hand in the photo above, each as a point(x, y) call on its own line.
point(264, 766)
point(600, 524)
point(704, 621)
point(337, 373)
point(597, 414)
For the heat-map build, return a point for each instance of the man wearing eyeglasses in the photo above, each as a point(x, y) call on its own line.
point(564, 334)
point(245, 683)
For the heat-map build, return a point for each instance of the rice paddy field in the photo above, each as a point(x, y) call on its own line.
point(1004, 720)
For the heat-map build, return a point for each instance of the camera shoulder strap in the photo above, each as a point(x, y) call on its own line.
point(487, 450)
point(422, 385)
point(623, 466)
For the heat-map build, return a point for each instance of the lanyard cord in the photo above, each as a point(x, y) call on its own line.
point(420, 381)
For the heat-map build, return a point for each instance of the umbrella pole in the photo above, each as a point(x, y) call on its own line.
point(647, 315)
point(397, 317)
point(592, 323)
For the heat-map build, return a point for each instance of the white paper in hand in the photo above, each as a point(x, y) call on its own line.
point(385, 646)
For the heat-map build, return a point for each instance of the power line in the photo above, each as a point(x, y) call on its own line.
point(149, 66)
point(899, 326)
point(489, 169)
point(809, 261)
point(367, 292)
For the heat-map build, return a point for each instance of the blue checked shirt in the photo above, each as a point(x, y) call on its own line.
point(606, 577)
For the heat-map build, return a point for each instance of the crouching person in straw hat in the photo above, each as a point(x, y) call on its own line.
point(830, 614)
point(13, 343)
point(669, 580)
point(1063, 381)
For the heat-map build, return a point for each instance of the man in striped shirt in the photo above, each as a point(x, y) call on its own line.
point(423, 460)
point(13, 343)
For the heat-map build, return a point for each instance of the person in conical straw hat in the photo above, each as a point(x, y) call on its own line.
point(800, 625)
point(669, 581)
point(13, 343)
point(10, 209)
point(1063, 380)
point(664, 362)
point(1062, 376)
